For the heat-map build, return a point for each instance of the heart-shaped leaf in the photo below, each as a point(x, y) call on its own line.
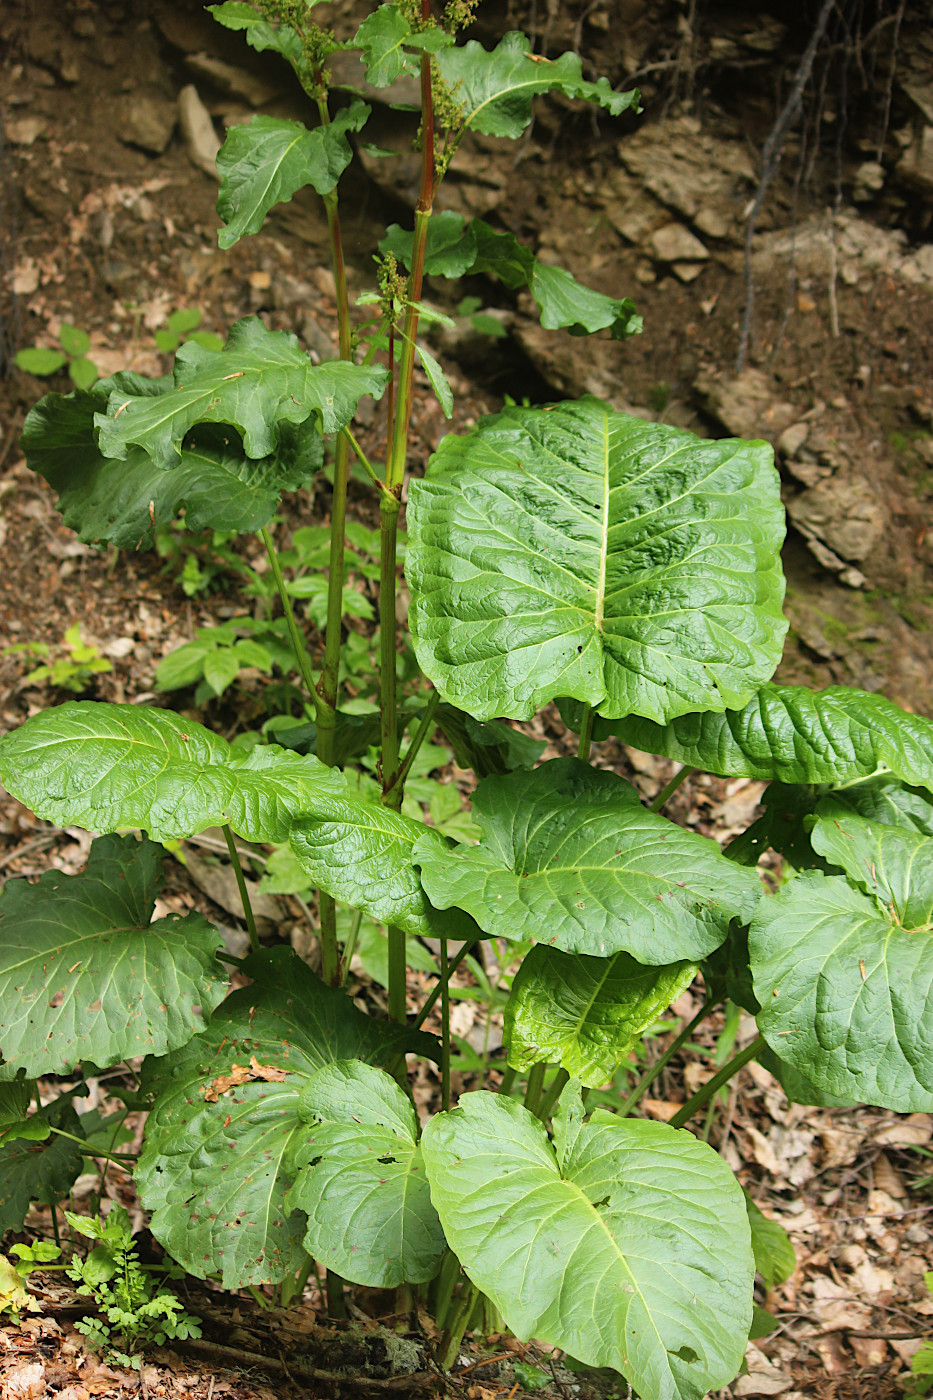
point(260, 380)
point(361, 853)
point(581, 552)
point(794, 734)
point(102, 498)
point(629, 1248)
point(84, 975)
point(214, 1168)
point(105, 767)
point(569, 857)
point(493, 89)
point(360, 1179)
point(585, 1013)
point(265, 161)
point(844, 974)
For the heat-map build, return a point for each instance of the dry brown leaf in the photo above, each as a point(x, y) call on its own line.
point(764, 1378)
point(254, 1072)
point(836, 1308)
point(908, 1350)
point(696, 1075)
point(74, 1392)
point(663, 1109)
point(869, 1351)
point(881, 1204)
point(888, 1178)
point(914, 1131)
point(763, 1152)
point(839, 1147)
point(869, 1281)
point(24, 1381)
point(832, 1353)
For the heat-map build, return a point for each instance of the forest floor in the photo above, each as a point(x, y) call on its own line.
point(108, 225)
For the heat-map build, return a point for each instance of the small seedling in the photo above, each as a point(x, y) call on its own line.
point(181, 326)
point(134, 1310)
point(45, 360)
point(72, 671)
point(483, 322)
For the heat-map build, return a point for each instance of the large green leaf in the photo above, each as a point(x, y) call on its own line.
point(361, 1180)
point(123, 501)
point(787, 821)
point(797, 735)
point(629, 1247)
point(581, 552)
point(104, 767)
point(85, 975)
point(570, 857)
point(32, 1170)
point(493, 89)
point(260, 380)
point(214, 1168)
point(265, 161)
point(585, 1013)
point(844, 971)
point(456, 248)
point(361, 853)
point(884, 798)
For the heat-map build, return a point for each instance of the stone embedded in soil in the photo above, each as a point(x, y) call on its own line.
point(673, 243)
point(867, 182)
point(198, 130)
point(238, 82)
point(686, 271)
point(22, 131)
point(793, 438)
point(146, 120)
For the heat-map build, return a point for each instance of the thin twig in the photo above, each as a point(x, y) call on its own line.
point(416, 1381)
point(886, 115)
point(38, 843)
point(770, 159)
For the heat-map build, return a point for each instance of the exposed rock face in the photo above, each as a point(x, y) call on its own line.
point(842, 511)
point(706, 181)
point(745, 405)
